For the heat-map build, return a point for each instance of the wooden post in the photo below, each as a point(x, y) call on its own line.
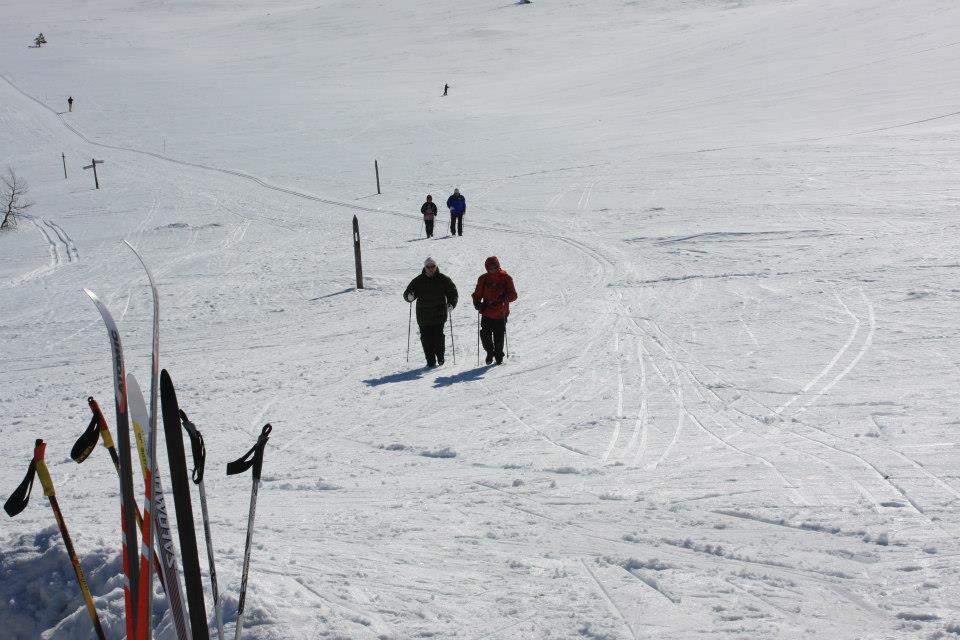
point(356, 252)
point(64, 156)
point(376, 170)
point(93, 165)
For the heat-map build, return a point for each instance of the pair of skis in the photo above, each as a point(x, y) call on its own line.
point(138, 583)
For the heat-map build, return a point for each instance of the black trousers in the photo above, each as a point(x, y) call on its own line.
point(491, 336)
point(456, 225)
point(429, 226)
point(434, 343)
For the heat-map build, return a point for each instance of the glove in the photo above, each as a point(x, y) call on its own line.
point(410, 297)
point(477, 305)
point(450, 307)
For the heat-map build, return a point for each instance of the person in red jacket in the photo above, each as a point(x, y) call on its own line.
point(492, 299)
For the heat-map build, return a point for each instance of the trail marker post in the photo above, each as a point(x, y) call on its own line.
point(64, 157)
point(93, 165)
point(356, 252)
point(376, 170)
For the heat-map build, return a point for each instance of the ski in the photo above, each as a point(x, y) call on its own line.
point(145, 604)
point(131, 569)
point(17, 502)
point(199, 451)
point(145, 589)
point(184, 508)
point(84, 446)
point(252, 458)
point(163, 536)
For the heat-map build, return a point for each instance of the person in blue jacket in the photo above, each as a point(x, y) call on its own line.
point(458, 206)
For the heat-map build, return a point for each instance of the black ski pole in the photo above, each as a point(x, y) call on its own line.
point(478, 338)
point(252, 458)
point(409, 322)
point(453, 346)
point(506, 339)
point(199, 459)
point(17, 502)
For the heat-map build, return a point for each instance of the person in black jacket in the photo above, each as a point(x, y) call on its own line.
point(436, 296)
point(429, 211)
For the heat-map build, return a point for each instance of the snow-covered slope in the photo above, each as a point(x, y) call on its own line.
point(730, 405)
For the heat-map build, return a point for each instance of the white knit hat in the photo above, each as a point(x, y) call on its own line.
point(429, 261)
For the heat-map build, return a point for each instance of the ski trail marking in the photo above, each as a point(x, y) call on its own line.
point(616, 429)
point(833, 361)
point(640, 426)
point(867, 343)
point(681, 413)
point(610, 603)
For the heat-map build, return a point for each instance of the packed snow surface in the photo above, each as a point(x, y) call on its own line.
point(730, 406)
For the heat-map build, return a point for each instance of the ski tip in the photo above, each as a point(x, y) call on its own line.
point(92, 295)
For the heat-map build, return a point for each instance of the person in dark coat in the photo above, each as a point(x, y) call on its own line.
point(445, 88)
point(429, 211)
point(70, 103)
point(492, 298)
point(458, 206)
point(436, 296)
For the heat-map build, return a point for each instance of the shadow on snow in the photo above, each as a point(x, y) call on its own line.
point(403, 376)
point(465, 376)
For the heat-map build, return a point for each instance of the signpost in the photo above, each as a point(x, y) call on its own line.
point(93, 165)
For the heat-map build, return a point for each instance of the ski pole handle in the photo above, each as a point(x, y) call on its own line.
point(42, 472)
point(252, 458)
point(197, 447)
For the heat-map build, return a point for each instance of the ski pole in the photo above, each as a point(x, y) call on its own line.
point(83, 447)
point(17, 502)
point(453, 346)
point(199, 458)
point(409, 322)
point(506, 338)
point(252, 458)
point(478, 338)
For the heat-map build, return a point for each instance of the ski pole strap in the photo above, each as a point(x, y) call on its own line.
point(196, 444)
point(42, 472)
point(254, 457)
point(19, 499)
point(84, 445)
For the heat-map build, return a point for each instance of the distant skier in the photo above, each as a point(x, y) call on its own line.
point(435, 295)
point(492, 298)
point(457, 205)
point(70, 103)
point(429, 211)
point(446, 88)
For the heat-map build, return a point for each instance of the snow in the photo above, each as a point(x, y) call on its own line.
point(729, 409)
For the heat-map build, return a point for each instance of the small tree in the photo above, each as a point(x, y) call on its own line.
point(40, 40)
point(12, 198)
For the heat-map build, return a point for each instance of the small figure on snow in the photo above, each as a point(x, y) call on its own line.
point(436, 296)
point(457, 205)
point(446, 87)
point(492, 298)
point(70, 103)
point(429, 211)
